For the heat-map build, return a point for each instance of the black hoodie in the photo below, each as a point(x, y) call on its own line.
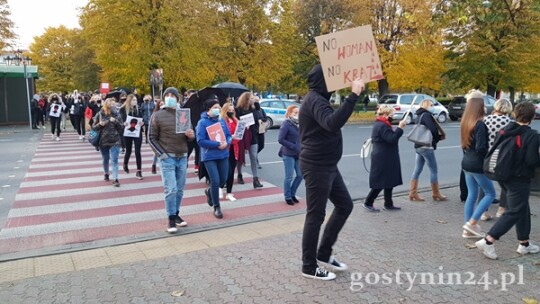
point(527, 158)
point(320, 125)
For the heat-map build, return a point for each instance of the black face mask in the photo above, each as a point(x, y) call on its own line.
point(230, 114)
point(257, 106)
point(390, 119)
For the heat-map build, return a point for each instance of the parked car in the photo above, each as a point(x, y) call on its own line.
point(275, 109)
point(536, 103)
point(457, 106)
point(402, 103)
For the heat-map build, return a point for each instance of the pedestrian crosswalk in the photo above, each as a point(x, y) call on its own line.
point(63, 200)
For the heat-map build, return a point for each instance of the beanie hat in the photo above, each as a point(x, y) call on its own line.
point(173, 91)
point(210, 101)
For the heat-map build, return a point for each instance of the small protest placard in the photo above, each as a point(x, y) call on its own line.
point(215, 132)
point(248, 119)
point(56, 110)
point(183, 120)
point(347, 55)
point(240, 129)
point(133, 126)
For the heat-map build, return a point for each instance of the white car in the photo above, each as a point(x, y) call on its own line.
point(402, 103)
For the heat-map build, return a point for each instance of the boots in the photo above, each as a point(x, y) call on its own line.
point(154, 169)
point(413, 193)
point(437, 196)
point(217, 212)
point(256, 183)
point(240, 179)
point(126, 169)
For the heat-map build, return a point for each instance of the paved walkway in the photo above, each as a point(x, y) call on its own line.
point(260, 263)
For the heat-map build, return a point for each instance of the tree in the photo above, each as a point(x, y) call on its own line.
point(6, 26)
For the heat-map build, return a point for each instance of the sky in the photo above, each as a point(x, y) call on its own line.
point(32, 17)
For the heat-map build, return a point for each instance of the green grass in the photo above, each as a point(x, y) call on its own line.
point(360, 117)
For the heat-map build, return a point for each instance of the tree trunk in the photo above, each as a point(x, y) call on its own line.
point(383, 87)
point(512, 94)
point(491, 90)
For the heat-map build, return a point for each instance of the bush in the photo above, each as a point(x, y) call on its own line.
point(444, 100)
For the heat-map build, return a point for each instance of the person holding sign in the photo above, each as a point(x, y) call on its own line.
point(56, 107)
point(214, 139)
point(171, 149)
point(321, 149)
point(228, 115)
point(131, 108)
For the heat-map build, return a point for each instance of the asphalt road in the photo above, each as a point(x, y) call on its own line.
point(448, 159)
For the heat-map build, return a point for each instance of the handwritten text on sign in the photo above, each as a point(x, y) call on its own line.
point(347, 55)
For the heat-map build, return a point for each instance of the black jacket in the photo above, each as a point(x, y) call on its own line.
point(320, 125)
point(473, 157)
point(527, 158)
point(429, 121)
point(385, 163)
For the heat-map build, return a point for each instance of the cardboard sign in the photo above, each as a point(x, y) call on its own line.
point(133, 127)
point(248, 119)
point(347, 55)
point(240, 130)
point(215, 132)
point(104, 88)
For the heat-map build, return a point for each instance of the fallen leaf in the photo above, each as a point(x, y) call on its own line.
point(177, 293)
point(470, 246)
point(536, 263)
point(529, 301)
point(442, 222)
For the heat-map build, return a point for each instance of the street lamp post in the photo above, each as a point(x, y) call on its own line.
point(17, 59)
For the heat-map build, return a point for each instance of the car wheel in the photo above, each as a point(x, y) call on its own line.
point(453, 118)
point(269, 123)
point(408, 119)
point(442, 117)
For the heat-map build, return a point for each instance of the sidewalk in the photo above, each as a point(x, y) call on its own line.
point(260, 263)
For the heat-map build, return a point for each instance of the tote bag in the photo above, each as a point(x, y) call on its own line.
point(420, 134)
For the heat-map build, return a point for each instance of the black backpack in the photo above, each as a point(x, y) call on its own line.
point(500, 160)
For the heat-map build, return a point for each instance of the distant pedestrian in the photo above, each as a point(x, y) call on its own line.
point(518, 186)
point(321, 149)
point(109, 122)
point(147, 109)
point(55, 114)
point(228, 115)
point(131, 108)
point(289, 139)
point(159, 105)
point(171, 149)
point(385, 172)
point(260, 124)
point(474, 142)
point(35, 111)
point(365, 102)
point(76, 113)
point(193, 146)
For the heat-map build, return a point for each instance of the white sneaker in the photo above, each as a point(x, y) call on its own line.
point(486, 217)
point(81, 137)
point(474, 229)
point(52, 136)
point(221, 194)
point(320, 274)
point(334, 264)
point(467, 235)
point(529, 249)
point(487, 250)
point(57, 138)
point(230, 197)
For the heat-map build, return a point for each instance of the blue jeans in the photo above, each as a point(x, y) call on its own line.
point(110, 153)
point(173, 174)
point(289, 185)
point(473, 181)
point(423, 156)
point(218, 171)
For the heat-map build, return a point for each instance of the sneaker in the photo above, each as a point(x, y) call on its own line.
point(320, 274)
point(126, 168)
point(171, 228)
point(180, 222)
point(81, 137)
point(500, 212)
point(486, 217)
point(196, 169)
point(57, 138)
point(116, 183)
point(52, 136)
point(529, 249)
point(391, 208)
point(230, 197)
point(138, 175)
point(467, 235)
point(474, 229)
point(221, 194)
point(370, 208)
point(334, 264)
point(106, 177)
point(487, 250)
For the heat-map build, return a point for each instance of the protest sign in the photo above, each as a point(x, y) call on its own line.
point(133, 126)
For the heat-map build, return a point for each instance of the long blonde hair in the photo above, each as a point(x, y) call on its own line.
point(106, 108)
point(474, 111)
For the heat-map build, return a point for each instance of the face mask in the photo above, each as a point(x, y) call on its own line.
point(170, 102)
point(431, 110)
point(214, 112)
point(390, 119)
point(295, 117)
point(230, 114)
point(257, 106)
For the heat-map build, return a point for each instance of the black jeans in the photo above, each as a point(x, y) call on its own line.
point(373, 193)
point(79, 124)
point(192, 145)
point(463, 191)
point(517, 211)
point(55, 125)
point(323, 184)
point(129, 145)
point(232, 167)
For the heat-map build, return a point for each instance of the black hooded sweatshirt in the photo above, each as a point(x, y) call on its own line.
point(527, 158)
point(320, 125)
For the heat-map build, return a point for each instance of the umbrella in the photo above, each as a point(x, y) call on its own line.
point(196, 102)
point(117, 91)
point(232, 89)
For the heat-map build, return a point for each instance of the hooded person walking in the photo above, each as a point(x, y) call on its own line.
point(321, 149)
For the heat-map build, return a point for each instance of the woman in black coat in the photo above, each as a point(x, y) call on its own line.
point(385, 170)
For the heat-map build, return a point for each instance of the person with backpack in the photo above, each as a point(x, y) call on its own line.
point(426, 154)
point(520, 167)
point(474, 142)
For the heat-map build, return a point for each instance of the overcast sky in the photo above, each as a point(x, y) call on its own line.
point(32, 17)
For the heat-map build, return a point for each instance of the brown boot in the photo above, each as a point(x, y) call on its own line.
point(413, 193)
point(437, 196)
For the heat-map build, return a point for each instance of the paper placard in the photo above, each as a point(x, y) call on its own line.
point(248, 119)
point(183, 119)
point(56, 110)
point(133, 126)
point(240, 129)
point(215, 132)
point(347, 55)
